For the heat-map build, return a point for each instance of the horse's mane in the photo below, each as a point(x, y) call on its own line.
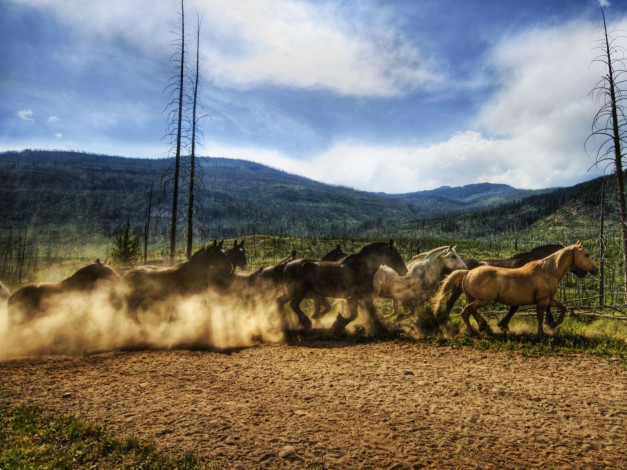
point(427, 254)
point(538, 249)
point(549, 263)
point(86, 275)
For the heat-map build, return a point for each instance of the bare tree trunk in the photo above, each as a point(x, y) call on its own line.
point(190, 208)
point(602, 250)
point(177, 163)
point(147, 224)
point(618, 158)
point(608, 124)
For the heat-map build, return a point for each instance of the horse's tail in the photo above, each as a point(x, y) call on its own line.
point(451, 282)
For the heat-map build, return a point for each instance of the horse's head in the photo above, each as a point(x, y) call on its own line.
point(582, 263)
point(451, 259)
point(212, 262)
point(393, 259)
point(335, 255)
point(237, 255)
point(92, 274)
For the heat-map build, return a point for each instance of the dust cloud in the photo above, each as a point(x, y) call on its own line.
point(85, 323)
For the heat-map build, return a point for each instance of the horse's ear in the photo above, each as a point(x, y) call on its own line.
point(215, 242)
point(241, 244)
point(98, 261)
point(221, 243)
point(235, 244)
point(450, 247)
point(338, 247)
point(392, 242)
point(579, 244)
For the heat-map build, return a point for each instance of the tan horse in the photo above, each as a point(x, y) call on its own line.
point(33, 300)
point(533, 284)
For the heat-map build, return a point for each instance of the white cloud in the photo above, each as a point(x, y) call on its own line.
point(25, 114)
point(58, 135)
point(530, 134)
point(53, 119)
point(278, 42)
point(604, 3)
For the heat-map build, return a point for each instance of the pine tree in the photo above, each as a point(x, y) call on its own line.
point(126, 250)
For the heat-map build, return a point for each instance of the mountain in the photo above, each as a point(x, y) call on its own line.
point(474, 195)
point(96, 194)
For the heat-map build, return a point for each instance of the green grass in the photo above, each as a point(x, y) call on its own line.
point(33, 439)
point(600, 338)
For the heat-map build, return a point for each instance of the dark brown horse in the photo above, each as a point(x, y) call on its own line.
point(208, 267)
point(264, 283)
point(336, 254)
point(535, 283)
point(349, 279)
point(516, 261)
point(237, 255)
point(34, 300)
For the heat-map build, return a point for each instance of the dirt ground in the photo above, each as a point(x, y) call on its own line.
point(331, 404)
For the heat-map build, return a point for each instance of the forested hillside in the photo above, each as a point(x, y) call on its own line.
point(56, 193)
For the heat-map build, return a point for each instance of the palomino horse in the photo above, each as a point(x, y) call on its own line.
point(516, 261)
point(534, 283)
point(350, 279)
point(237, 255)
point(208, 267)
point(33, 300)
point(424, 273)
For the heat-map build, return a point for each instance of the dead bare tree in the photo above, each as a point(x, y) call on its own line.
point(609, 126)
point(192, 157)
point(176, 105)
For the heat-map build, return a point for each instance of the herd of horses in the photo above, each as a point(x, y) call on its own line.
point(376, 271)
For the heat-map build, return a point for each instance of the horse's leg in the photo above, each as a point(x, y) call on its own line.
point(465, 314)
point(321, 311)
point(549, 320)
point(540, 308)
point(373, 319)
point(556, 303)
point(341, 322)
point(394, 309)
point(503, 324)
point(443, 316)
point(471, 308)
point(302, 318)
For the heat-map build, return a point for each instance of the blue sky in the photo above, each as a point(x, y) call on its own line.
point(394, 96)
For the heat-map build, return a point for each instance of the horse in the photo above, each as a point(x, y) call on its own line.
point(208, 267)
point(424, 273)
point(336, 254)
point(534, 283)
point(516, 261)
point(5, 293)
point(264, 282)
point(237, 255)
point(34, 300)
point(350, 279)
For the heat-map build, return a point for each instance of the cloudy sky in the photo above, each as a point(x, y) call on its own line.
point(395, 96)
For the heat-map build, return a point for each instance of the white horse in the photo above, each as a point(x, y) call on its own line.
point(424, 272)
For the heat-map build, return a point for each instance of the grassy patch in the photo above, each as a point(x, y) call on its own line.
point(604, 338)
point(33, 439)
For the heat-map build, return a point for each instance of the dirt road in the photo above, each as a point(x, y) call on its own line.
point(331, 404)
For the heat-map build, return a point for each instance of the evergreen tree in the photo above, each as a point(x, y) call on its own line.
point(126, 247)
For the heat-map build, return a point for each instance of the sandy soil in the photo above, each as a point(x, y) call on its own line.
point(321, 404)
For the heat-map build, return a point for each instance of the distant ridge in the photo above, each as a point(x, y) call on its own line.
point(96, 193)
